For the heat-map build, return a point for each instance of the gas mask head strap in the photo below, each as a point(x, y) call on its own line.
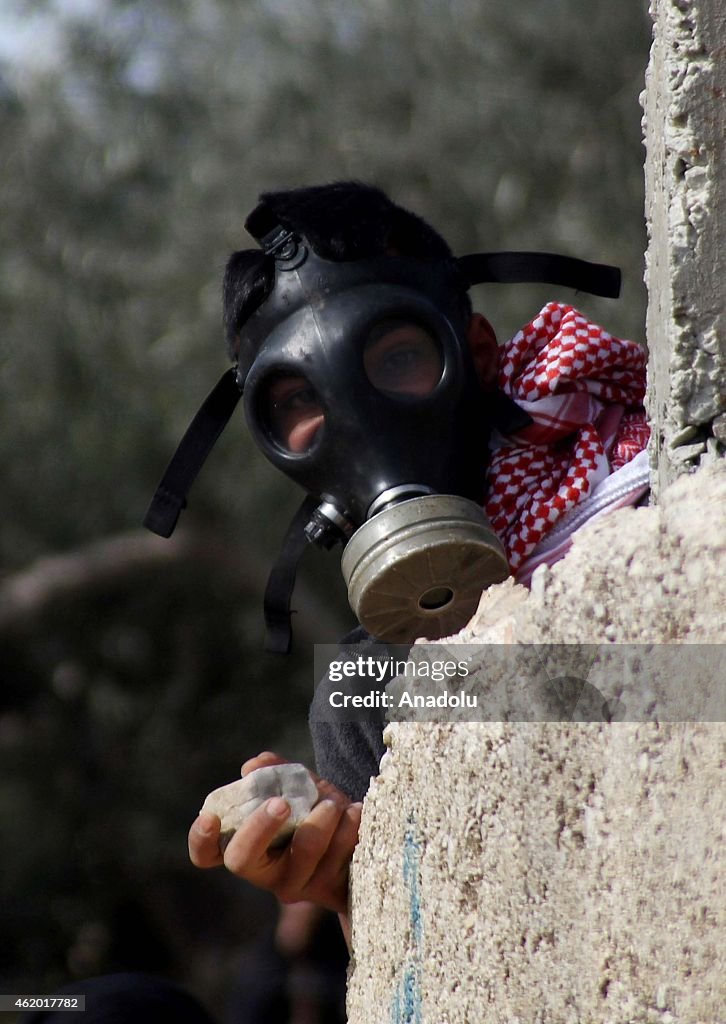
point(540, 267)
point(171, 494)
point(281, 581)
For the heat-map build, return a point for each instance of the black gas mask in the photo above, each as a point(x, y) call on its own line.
point(359, 384)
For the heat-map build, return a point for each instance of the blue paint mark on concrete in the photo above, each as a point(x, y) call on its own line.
point(411, 859)
point(407, 999)
point(406, 1007)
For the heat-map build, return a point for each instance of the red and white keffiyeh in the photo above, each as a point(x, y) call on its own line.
point(584, 390)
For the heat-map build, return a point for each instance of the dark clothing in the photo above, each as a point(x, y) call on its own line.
point(348, 754)
point(272, 988)
point(269, 987)
point(348, 748)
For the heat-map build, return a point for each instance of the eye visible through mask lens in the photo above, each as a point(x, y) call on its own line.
point(293, 412)
point(402, 358)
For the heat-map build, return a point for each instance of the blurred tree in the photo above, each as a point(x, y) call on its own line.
point(128, 169)
point(131, 673)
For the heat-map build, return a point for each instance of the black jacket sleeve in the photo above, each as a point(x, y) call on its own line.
point(348, 746)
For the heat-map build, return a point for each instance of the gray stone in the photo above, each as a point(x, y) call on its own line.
point(683, 436)
point(235, 802)
point(687, 453)
point(719, 428)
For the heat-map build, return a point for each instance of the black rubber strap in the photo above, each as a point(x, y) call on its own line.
point(544, 267)
point(281, 581)
point(171, 494)
point(505, 414)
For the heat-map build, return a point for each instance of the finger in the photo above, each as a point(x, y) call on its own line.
point(267, 757)
point(309, 845)
point(327, 791)
point(248, 854)
point(336, 859)
point(203, 841)
point(331, 874)
point(341, 846)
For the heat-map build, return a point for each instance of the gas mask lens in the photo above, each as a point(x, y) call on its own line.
point(402, 358)
point(292, 411)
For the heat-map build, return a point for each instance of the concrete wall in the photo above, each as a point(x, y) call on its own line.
point(559, 875)
point(560, 872)
point(554, 872)
point(685, 136)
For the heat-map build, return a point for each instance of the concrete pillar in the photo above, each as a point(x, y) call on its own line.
point(685, 136)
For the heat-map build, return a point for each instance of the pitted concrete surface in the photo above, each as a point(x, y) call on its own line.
point(560, 872)
point(685, 118)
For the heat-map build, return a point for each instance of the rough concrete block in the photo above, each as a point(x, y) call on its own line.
point(560, 872)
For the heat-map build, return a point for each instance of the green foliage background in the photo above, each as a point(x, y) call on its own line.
point(131, 679)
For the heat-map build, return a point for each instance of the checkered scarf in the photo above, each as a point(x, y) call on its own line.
point(584, 391)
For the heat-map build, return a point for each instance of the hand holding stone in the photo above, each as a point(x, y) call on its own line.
point(314, 866)
point(235, 802)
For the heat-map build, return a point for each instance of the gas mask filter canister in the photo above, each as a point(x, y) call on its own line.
point(418, 567)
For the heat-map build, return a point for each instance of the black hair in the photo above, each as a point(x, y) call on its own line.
point(248, 279)
point(346, 220)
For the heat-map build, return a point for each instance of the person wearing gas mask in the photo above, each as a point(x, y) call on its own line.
point(441, 462)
